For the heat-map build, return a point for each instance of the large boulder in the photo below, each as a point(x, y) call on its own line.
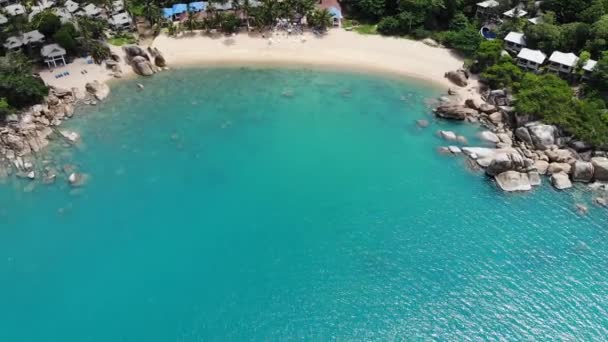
point(542, 135)
point(541, 166)
point(523, 134)
point(448, 135)
point(534, 178)
point(473, 103)
point(455, 112)
point(98, 89)
point(513, 181)
point(459, 78)
point(132, 51)
point(561, 181)
point(559, 167)
point(600, 168)
point(489, 137)
point(582, 171)
point(159, 59)
point(142, 66)
point(505, 161)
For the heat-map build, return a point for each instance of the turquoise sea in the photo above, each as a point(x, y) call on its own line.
point(245, 204)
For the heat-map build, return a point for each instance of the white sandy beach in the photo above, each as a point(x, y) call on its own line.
point(339, 49)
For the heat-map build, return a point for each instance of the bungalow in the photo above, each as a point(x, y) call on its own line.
point(13, 43)
point(120, 21)
point(588, 69)
point(196, 7)
point(536, 20)
point(560, 62)
point(514, 13)
point(515, 41)
point(4, 3)
point(44, 4)
point(15, 9)
point(64, 14)
point(91, 10)
point(486, 8)
point(531, 59)
point(53, 53)
point(33, 37)
point(3, 19)
point(227, 6)
point(118, 6)
point(71, 6)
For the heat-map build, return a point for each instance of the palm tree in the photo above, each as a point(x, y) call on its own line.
point(320, 19)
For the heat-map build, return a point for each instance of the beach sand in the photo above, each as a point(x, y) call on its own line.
point(339, 49)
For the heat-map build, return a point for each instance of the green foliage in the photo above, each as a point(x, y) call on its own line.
point(389, 26)
point(91, 28)
point(371, 9)
point(487, 54)
point(546, 96)
point(18, 86)
point(46, 22)
point(465, 41)
point(574, 36)
point(98, 50)
point(545, 37)
point(66, 37)
point(319, 19)
point(5, 108)
point(599, 76)
point(503, 74)
point(122, 38)
point(229, 23)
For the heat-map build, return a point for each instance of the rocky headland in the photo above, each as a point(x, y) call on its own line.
point(518, 151)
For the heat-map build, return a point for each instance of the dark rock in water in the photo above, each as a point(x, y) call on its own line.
point(581, 209)
point(422, 123)
point(77, 179)
point(455, 112)
point(602, 202)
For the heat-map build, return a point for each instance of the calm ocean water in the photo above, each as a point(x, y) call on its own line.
point(254, 204)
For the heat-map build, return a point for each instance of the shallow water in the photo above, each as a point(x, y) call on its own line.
point(256, 204)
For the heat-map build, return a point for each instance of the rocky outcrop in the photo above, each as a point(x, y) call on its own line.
point(505, 161)
point(448, 135)
point(159, 59)
point(132, 51)
point(459, 78)
point(541, 166)
point(142, 66)
point(455, 112)
point(523, 134)
point(98, 89)
point(561, 181)
point(582, 171)
point(513, 181)
point(559, 167)
point(542, 136)
point(489, 137)
point(600, 166)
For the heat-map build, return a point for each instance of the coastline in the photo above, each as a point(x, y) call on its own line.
point(337, 50)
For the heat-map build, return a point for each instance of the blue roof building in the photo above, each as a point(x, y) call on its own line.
point(198, 6)
point(167, 13)
point(179, 9)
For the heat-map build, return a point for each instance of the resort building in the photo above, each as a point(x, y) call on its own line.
point(13, 43)
point(91, 11)
point(562, 63)
point(64, 14)
point(71, 6)
point(588, 69)
point(486, 8)
point(3, 19)
point(33, 37)
point(52, 54)
point(15, 9)
point(536, 20)
point(197, 7)
point(118, 6)
point(120, 21)
point(531, 59)
point(515, 41)
point(514, 13)
point(334, 8)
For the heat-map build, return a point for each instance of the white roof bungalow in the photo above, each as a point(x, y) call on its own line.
point(120, 20)
point(536, 20)
point(33, 37)
point(588, 68)
point(44, 4)
point(516, 12)
point(15, 9)
point(13, 43)
point(64, 14)
point(560, 62)
point(485, 7)
point(515, 41)
point(531, 59)
point(91, 10)
point(118, 6)
point(52, 54)
point(3, 19)
point(71, 6)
